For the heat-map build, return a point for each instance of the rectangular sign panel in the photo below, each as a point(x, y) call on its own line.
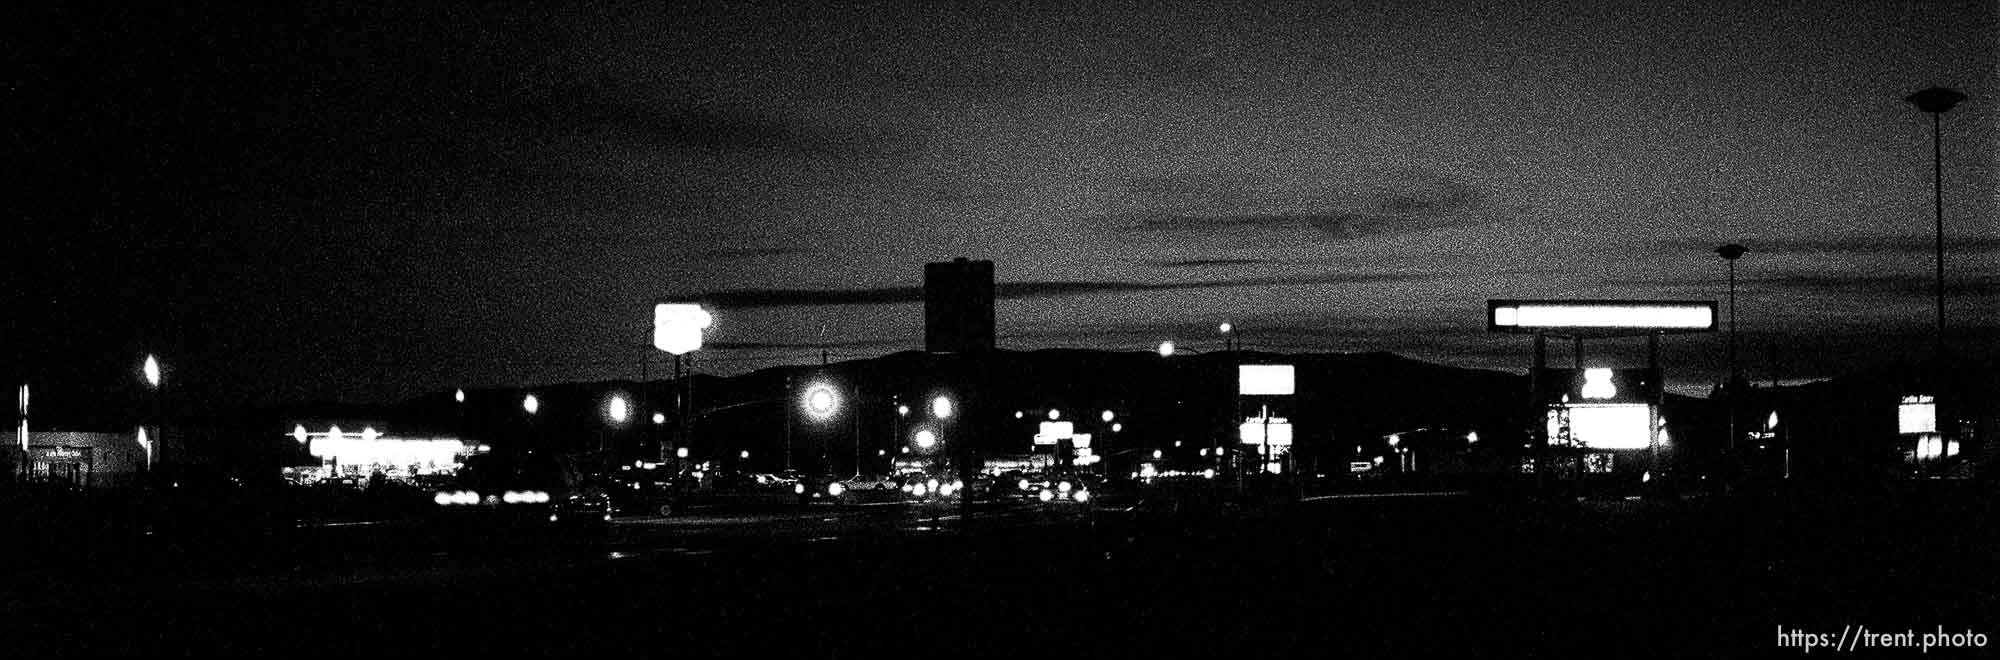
point(1605, 425)
point(1917, 414)
point(1266, 380)
point(1252, 432)
point(1053, 432)
point(1558, 315)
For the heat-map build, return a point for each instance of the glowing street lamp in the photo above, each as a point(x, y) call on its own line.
point(941, 407)
point(152, 371)
point(926, 439)
point(531, 404)
point(821, 402)
point(681, 452)
point(1166, 349)
point(1054, 414)
point(617, 409)
point(659, 418)
point(459, 395)
point(1108, 416)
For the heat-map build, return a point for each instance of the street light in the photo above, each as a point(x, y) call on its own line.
point(617, 409)
point(1730, 253)
point(1108, 416)
point(152, 372)
point(926, 439)
point(941, 407)
point(531, 404)
point(1937, 101)
point(1228, 335)
point(459, 395)
point(1054, 414)
point(1166, 349)
point(821, 401)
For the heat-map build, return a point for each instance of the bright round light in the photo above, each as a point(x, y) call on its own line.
point(1080, 496)
point(1166, 349)
point(903, 411)
point(152, 370)
point(617, 409)
point(333, 433)
point(299, 433)
point(836, 488)
point(1117, 426)
point(799, 488)
point(681, 452)
point(1225, 328)
point(531, 404)
point(743, 454)
point(1054, 414)
point(1048, 496)
point(459, 395)
point(926, 439)
point(1022, 484)
point(444, 499)
point(1156, 454)
point(1018, 414)
point(941, 407)
point(1065, 486)
point(821, 401)
point(918, 490)
point(932, 483)
point(1108, 416)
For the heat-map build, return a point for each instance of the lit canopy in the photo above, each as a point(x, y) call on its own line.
point(1600, 317)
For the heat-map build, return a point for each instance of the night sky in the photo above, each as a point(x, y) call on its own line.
point(370, 204)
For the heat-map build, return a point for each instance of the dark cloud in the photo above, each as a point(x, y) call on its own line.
point(1912, 285)
point(756, 298)
point(1851, 245)
point(1405, 201)
point(1204, 263)
point(739, 253)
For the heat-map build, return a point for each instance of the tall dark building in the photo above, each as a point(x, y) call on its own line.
point(958, 306)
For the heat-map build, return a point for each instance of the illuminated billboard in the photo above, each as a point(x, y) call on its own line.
point(677, 327)
point(1266, 380)
point(1252, 431)
point(1600, 315)
point(1917, 414)
point(1604, 425)
point(1053, 432)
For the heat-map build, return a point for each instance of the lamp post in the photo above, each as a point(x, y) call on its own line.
point(1937, 101)
point(1228, 335)
point(155, 377)
point(1730, 253)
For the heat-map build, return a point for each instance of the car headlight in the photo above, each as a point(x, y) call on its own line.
point(1064, 487)
point(918, 490)
point(799, 488)
point(445, 499)
point(1080, 496)
point(1048, 495)
point(836, 488)
point(1022, 484)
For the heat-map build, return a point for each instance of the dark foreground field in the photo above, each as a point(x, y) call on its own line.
point(1366, 576)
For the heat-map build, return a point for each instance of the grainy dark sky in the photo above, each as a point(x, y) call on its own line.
point(373, 203)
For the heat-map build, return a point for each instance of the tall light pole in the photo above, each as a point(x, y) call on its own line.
point(1730, 253)
point(1937, 101)
point(154, 377)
